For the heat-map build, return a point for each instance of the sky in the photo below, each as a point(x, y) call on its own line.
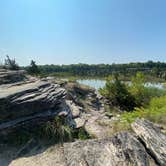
point(83, 31)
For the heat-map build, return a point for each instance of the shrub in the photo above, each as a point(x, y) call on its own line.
point(82, 134)
point(117, 93)
point(141, 93)
point(155, 112)
point(127, 97)
point(33, 68)
point(137, 88)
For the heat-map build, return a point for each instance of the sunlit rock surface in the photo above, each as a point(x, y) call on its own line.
point(152, 138)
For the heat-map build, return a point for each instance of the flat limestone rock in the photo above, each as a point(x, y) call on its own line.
point(123, 149)
point(152, 138)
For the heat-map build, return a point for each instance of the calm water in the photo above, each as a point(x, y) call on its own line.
point(100, 83)
point(97, 84)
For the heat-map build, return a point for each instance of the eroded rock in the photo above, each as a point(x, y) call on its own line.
point(27, 99)
point(154, 141)
point(33, 102)
point(122, 149)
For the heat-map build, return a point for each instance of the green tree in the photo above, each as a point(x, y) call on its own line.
point(117, 93)
point(33, 69)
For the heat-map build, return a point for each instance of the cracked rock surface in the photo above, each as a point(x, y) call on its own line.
point(152, 138)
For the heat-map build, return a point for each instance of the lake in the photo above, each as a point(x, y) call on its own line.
point(97, 84)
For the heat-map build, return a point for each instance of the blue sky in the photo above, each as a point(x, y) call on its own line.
point(83, 31)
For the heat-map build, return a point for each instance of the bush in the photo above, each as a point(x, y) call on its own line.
point(141, 93)
point(82, 134)
point(155, 112)
point(137, 88)
point(127, 97)
point(33, 68)
point(117, 93)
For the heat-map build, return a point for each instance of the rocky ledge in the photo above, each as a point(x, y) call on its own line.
point(29, 102)
point(8, 76)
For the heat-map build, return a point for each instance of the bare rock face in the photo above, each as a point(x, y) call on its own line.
point(84, 96)
point(122, 149)
point(152, 138)
point(75, 109)
point(87, 108)
point(8, 76)
point(53, 156)
point(27, 101)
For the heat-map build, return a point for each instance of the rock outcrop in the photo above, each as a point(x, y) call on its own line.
point(87, 108)
point(152, 138)
point(8, 76)
point(121, 149)
point(27, 102)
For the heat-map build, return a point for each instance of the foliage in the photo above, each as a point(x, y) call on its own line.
point(82, 134)
point(137, 89)
point(129, 96)
point(33, 68)
point(117, 93)
point(155, 112)
point(58, 130)
point(11, 64)
point(141, 92)
point(150, 69)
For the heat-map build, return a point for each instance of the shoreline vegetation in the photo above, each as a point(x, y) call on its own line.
point(153, 71)
point(134, 101)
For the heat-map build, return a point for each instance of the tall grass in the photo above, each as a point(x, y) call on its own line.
point(58, 130)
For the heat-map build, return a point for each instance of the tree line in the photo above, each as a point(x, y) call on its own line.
point(156, 69)
point(150, 68)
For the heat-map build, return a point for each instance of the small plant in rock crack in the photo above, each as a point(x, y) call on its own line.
point(58, 130)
